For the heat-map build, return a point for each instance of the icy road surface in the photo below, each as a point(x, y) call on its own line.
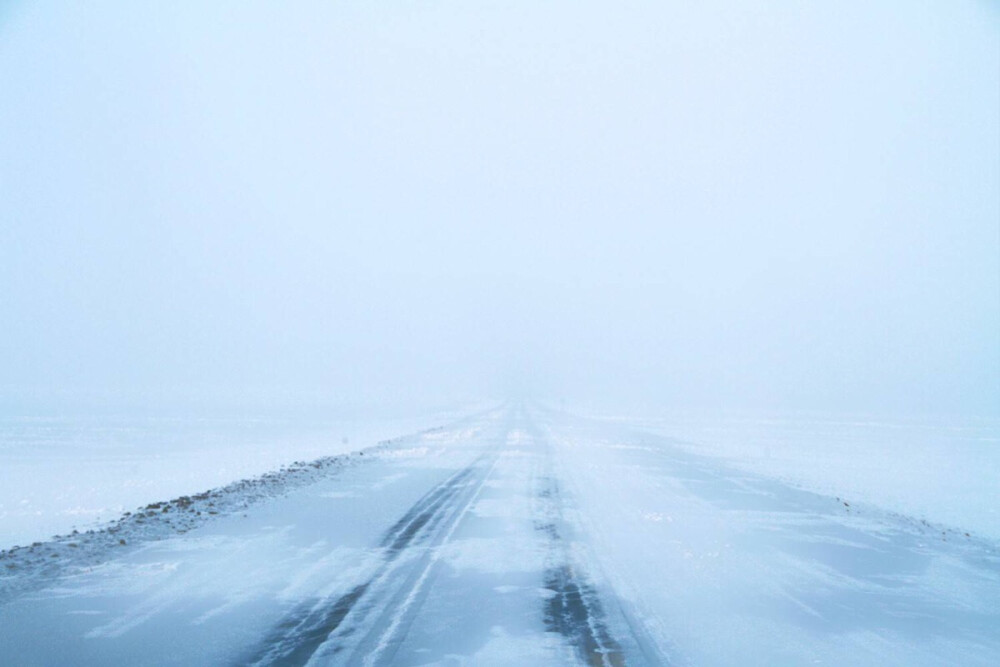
point(518, 536)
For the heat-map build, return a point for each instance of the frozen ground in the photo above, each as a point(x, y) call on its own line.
point(516, 536)
point(942, 469)
point(58, 474)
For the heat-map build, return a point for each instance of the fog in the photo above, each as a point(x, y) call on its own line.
point(785, 206)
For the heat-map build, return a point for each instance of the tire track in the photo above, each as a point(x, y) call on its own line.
point(595, 624)
point(573, 606)
point(366, 624)
point(325, 627)
point(382, 641)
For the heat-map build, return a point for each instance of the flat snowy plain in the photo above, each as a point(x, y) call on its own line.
point(520, 535)
point(73, 472)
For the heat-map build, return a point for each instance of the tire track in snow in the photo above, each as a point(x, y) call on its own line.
point(366, 624)
point(574, 609)
point(322, 631)
point(383, 641)
point(573, 606)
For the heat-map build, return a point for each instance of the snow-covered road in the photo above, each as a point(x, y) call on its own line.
point(516, 536)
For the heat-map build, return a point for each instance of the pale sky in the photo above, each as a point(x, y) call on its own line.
point(794, 205)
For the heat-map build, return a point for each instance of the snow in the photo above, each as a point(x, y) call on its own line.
point(58, 474)
point(731, 567)
point(512, 536)
point(943, 469)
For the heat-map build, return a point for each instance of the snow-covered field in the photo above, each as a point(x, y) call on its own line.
point(63, 473)
point(942, 469)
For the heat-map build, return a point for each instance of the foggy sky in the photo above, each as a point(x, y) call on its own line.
point(794, 205)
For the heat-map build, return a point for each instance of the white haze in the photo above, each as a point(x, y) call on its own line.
point(785, 206)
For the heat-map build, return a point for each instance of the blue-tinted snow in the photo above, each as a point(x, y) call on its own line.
point(526, 536)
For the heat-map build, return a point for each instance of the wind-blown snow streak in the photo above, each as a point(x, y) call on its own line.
point(314, 624)
point(24, 568)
